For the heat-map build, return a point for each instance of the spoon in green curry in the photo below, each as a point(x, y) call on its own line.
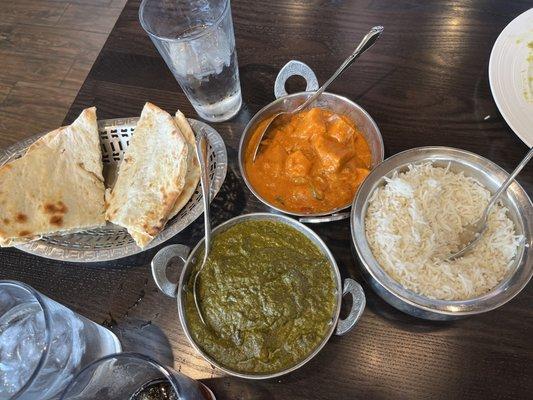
point(201, 149)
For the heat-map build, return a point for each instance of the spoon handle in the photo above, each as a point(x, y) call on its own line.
point(367, 42)
point(201, 150)
point(508, 182)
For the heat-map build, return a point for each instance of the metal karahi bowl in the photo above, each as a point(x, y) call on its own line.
point(186, 259)
point(491, 176)
point(330, 101)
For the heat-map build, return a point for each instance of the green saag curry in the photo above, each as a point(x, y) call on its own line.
point(268, 295)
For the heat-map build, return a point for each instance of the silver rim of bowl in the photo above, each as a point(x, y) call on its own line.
point(316, 240)
point(443, 307)
point(260, 115)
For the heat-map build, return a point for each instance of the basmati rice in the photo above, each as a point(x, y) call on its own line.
point(414, 222)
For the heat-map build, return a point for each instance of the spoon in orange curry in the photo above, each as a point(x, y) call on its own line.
point(367, 42)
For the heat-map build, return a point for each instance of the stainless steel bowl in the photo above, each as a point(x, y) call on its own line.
point(491, 176)
point(330, 101)
point(186, 259)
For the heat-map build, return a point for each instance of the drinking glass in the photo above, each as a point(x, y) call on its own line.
point(196, 40)
point(133, 376)
point(43, 344)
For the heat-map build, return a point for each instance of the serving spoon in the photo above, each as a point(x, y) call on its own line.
point(473, 232)
point(201, 148)
point(367, 42)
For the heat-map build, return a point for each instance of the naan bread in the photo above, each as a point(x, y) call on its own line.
point(193, 166)
point(150, 178)
point(57, 187)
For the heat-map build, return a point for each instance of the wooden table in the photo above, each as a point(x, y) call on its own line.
point(425, 83)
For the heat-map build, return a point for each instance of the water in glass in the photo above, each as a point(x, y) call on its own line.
point(34, 368)
point(197, 42)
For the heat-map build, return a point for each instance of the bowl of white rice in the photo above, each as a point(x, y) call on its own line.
point(407, 219)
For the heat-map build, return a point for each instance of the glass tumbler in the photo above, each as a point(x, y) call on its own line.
point(43, 344)
point(133, 376)
point(196, 40)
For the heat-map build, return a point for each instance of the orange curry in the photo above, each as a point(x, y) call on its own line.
point(311, 162)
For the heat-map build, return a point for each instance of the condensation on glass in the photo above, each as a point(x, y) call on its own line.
point(43, 344)
point(196, 40)
point(133, 376)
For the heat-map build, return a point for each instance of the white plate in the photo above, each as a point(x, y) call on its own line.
point(509, 73)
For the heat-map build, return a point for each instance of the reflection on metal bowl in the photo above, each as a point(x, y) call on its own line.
point(329, 101)
point(488, 174)
point(186, 263)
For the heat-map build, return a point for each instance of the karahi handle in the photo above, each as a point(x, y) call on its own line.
point(358, 305)
point(161, 262)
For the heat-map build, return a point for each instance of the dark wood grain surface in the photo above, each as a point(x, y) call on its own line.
point(425, 83)
point(47, 48)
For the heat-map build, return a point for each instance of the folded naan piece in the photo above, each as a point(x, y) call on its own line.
point(193, 166)
point(56, 187)
point(150, 178)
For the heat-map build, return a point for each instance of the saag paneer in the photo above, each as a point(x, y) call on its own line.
point(268, 295)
